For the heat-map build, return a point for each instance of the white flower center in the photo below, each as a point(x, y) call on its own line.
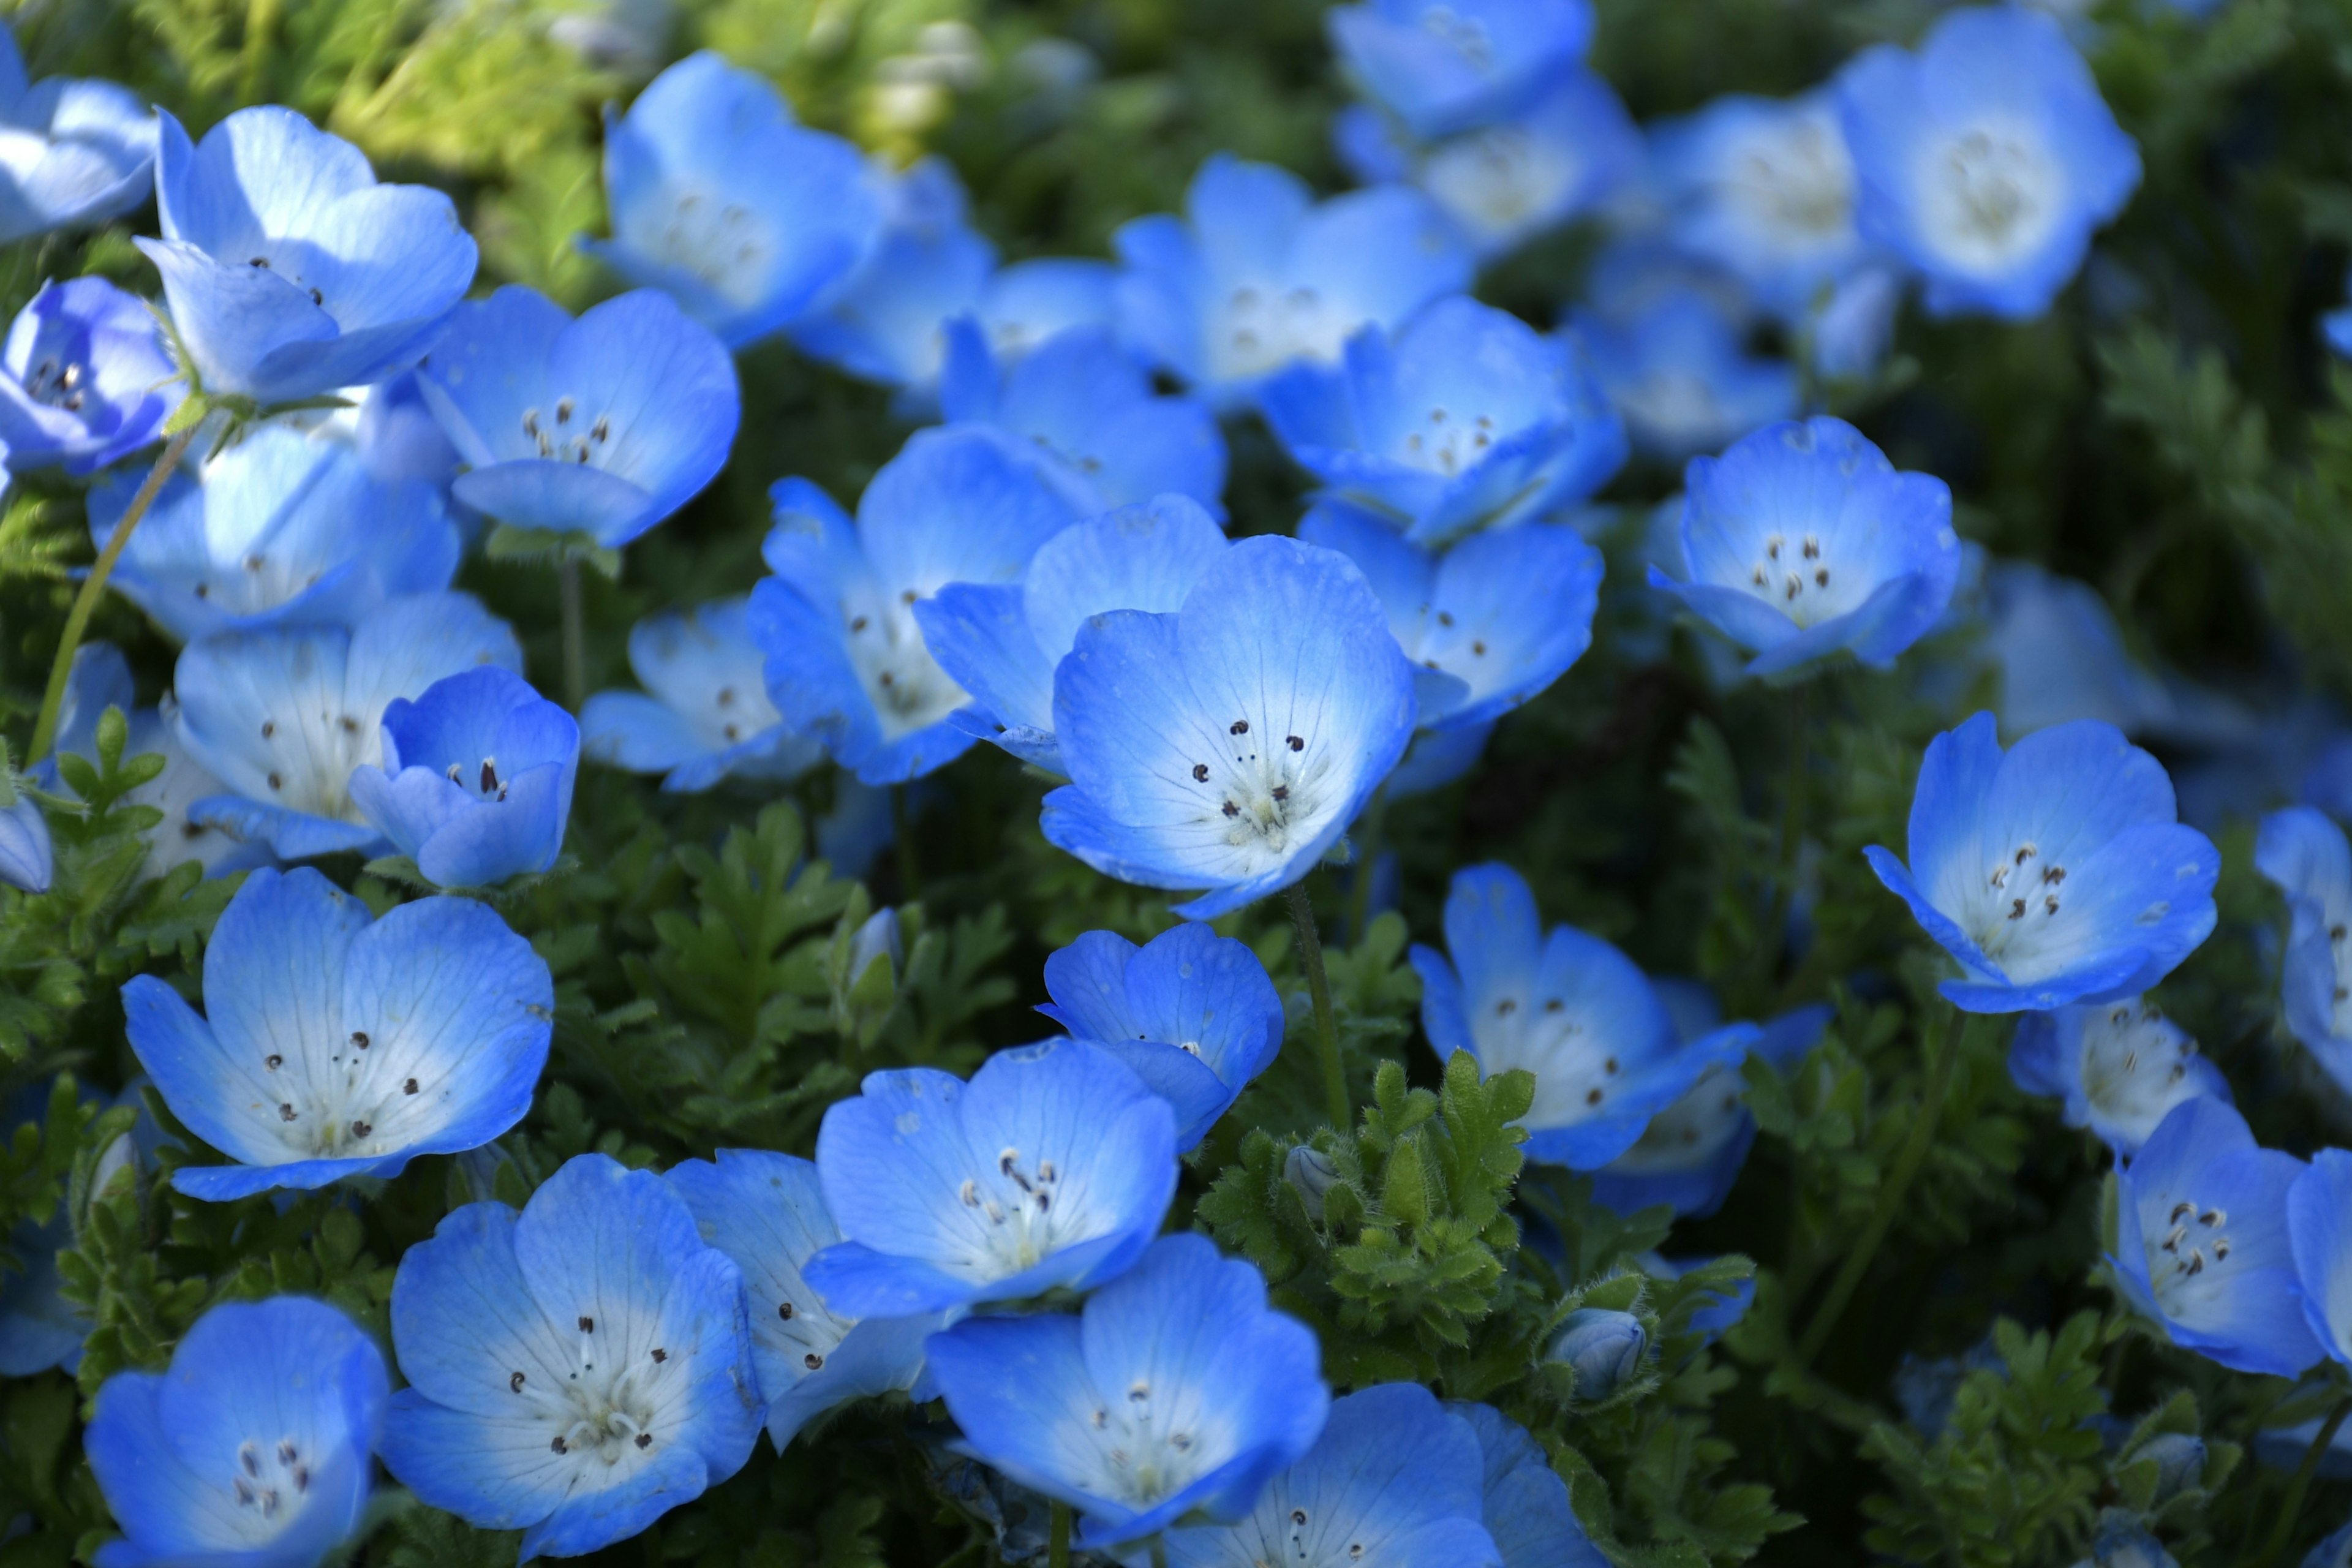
point(1019, 1210)
point(1465, 35)
point(1443, 443)
point(1691, 1129)
point(1989, 193)
point(564, 434)
point(2134, 1066)
point(908, 688)
point(725, 244)
point(1261, 793)
point(1148, 1443)
point(1796, 576)
point(60, 381)
point(2188, 1257)
point(1575, 1067)
point(1255, 330)
point(601, 1414)
point(269, 1486)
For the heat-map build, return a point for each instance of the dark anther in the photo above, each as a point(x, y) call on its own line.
point(361, 1129)
point(1241, 727)
point(1231, 810)
point(262, 262)
point(660, 1355)
point(277, 783)
point(1505, 1007)
point(489, 776)
point(784, 1311)
point(1200, 776)
point(858, 625)
point(1479, 650)
point(273, 1061)
point(1282, 791)
point(645, 1440)
point(409, 1088)
point(268, 728)
point(557, 1447)
point(317, 297)
point(587, 1325)
point(1593, 1098)
point(359, 1039)
point(285, 1113)
point(1296, 743)
point(514, 1384)
point(812, 1361)
point(1299, 1516)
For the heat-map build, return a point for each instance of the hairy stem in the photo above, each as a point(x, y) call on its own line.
point(575, 635)
point(1057, 1542)
point(1327, 1026)
point(2291, 1509)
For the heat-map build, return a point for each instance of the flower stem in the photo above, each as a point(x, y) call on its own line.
point(2284, 1530)
point(1159, 1552)
point(1057, 1542)
point(575, 635)
point(1327, 1026)
point(44, 727)
point(1890, 1196)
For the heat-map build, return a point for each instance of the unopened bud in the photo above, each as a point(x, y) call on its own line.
point(1603, 1347)
point(2180, 1463)
point(1311, 1172)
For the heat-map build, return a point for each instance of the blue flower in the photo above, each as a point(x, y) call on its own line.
point(604, 426)
point(1089, 411)
point(2054, 872)
point(1570, 1009)
point(767, 1212)
point(575, 1371)
point(1175, 1392)
point(335, 1046)
point(1603, 1347)
point(1527, 1504)
point(1804, 541)
point(1985, 158)
point(476, 781)
point(289, 270)
point(1052, 1166)
point(1257, 274)
point(1228, 745)
point(2202, 1243)
point(2336, 326)
point(27, 860)
point(282, 715)
point(2305, 857)
point(846, 662)
point(1465, 418)
point(2060, 655)
point(718, 198)
point(708, 716)
point(2316, 1209)
point(1442, 67)
point(1191, 1012)
point(1396, 1478)
point(2335, 1551)
point(1677, 368)
point(2120, 1067)
point(1764, 189)
point(252, 1451)
point(74, 154)
point(1001, 641)
point(82, 379)
point(278, 529)
point(1485, 626)
point(1854, 326)
point(40, 1328)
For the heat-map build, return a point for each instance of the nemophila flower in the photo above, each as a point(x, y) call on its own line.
point(846, 662)
point(72, 153)
point(1089, 411)
point(1257, 274)
point(1191, 1012)
point(1678, 370)
point(475, 785)
point(1051, 1167)
point(1528, 1510)
point(1985, 158)
point(1441, 67)
point(2120, 1067)
point(335, 1046)
point(704, 714)
point(1395, 1479)
point(1175, 1392)
point(606, 425)
point(2060, 655)
point(1486, 625)
point(1854, 326)
point(2318, 1209)
point(748, 219)
point(1764, 189)
point(251, 1450)
point(2055, 871)
point(281, 715)
point(1465, 419)
point(2305, 857)
point(398, 438)
point(575, 1371)
point(27, 859)
point(1570, 1009)
point(289, 270)
point(999, 642)
point(767, 1212)
point(84, 377)
point(1228, 745)
point(1603, 1347)
point(277, 529)
point(1802, 542)
point(2202, 1245)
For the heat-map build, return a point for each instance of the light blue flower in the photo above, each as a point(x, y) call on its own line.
point(606, 425)
point(1465, 418)
point(2335, 327)
point(1051, 1167)
point(278, 529)
point(252, 1451)
point(83, 378)
point(1257, 274)
point(1986, 158)
point(2317, 1207)
point(1088, 409)
point(1678, 368)
point(399, 438)
point(2120, 1067)
point(2202, 1245)
point(1487, 626)
point(1176, 1392)
point(1227, 746)
point(1396, 1480)
point(767, 1212)
point(72, 155)
point(1604, 1348)
point(708, 717)
point(1442, 67)
point(475, 785)
point(2060, 655)
point(2055, 871)
point(335, 1046)
point(746, 218)
point(1570, 1009)
point(1802, 542)
point(281, 715)
point(291, 273)
point(1191, 1012)
point(846, 662)
point(28, 860)
point(575, 1371)
point(1001, 641)
point(2305, 857)
point(1527, 1504)
point(1765, 189)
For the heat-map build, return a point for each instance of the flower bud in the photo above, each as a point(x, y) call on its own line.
point(1311, 1172)
point(2180, 1463)
point(1604, 1348)
point(877, 938)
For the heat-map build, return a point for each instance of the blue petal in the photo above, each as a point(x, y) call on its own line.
point(2316, 1208)
point(1527, 1508)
